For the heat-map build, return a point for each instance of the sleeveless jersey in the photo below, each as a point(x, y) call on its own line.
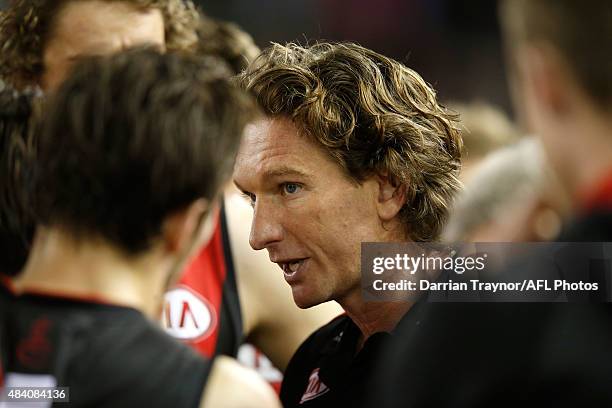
point(203, 310)
point(108, 356)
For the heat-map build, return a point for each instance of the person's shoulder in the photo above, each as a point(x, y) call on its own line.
point(233, 385)
point(330, 330)
point(121, 334)
point(116, 346)
point(103, 352)
point(318, 341)
point(314, 352)
point(136, 348)
point(129, 334)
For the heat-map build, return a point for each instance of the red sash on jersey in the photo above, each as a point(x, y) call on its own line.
point(191, 309)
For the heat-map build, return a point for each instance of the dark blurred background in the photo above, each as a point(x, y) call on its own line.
point(454, 44)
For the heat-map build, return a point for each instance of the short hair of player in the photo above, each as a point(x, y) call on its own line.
point(372, 115)
point(16, 228)
point(131, 138)
point(26, 26)
point(581, 31)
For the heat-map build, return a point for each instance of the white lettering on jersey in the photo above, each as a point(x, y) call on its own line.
point(187, 315)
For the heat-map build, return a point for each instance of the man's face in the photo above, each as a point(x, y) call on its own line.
point(94, 27)
point(307, 213)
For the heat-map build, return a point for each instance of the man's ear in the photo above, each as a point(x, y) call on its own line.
point(179, 229)
point(391, 197)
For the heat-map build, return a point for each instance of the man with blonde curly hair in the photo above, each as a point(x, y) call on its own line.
point(353, 148)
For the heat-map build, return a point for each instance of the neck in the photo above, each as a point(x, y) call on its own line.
point(373, 317)
point(89, 269)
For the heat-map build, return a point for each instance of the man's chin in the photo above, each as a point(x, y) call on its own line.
point(305, 301)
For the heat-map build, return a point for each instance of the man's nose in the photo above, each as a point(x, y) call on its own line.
point(266, 228)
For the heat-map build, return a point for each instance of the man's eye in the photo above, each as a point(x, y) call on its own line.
point(291, 188)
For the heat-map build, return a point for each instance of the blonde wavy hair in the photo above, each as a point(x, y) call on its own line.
point(372, 115)
point(25, 27)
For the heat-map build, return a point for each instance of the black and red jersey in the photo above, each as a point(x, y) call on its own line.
point(327, 371)
point(330, 370)
point(108, 356)
point(203, 310)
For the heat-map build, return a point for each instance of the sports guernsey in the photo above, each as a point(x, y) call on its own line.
point(328, 371)
point(108, 356)
point(203, 310)
point(325, 372)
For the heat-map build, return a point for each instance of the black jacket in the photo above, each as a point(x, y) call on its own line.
point(505, 354)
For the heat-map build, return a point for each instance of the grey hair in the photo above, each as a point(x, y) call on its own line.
point(506, 176)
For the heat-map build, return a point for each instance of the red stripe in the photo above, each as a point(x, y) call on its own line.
point(206, 275)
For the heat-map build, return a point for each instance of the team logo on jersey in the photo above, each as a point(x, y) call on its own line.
point(315, 388)
point(187, 315)
point(34, 350)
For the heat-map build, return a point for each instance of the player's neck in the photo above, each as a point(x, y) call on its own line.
point(60, 265)
point(374, 317)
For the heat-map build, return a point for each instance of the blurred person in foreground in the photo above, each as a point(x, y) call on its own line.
point(219, 300)
point(15, 226)
point(511, 196)
point(15, 235)
point(532, 354)
point(100, 261)
point(354, 147)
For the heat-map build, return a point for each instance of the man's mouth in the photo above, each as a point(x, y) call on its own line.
point(291, 267)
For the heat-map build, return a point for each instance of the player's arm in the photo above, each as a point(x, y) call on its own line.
point(230, 385)
point(272, 321)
